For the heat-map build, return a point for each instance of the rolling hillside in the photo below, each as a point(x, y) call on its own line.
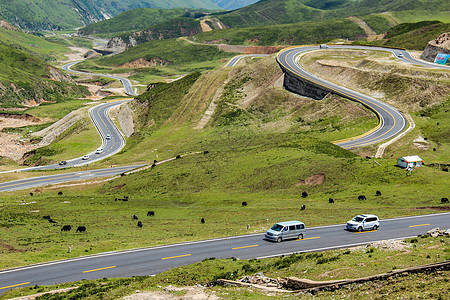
point(28, 80)
point(39, 15)
point(33, 44)
point(135, 20)
point(171, 29)
point(233, 4)
point(268, 12)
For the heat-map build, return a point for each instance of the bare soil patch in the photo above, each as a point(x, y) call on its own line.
point(170, 292)
point(314, 179)
point(9, 248)
point(11, 144)
point(144, 63)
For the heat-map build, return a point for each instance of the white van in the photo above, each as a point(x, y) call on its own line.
point(286, 230)
point(363, 222)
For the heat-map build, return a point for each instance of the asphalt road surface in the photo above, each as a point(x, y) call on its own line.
point(392, 121)
point(33, 182)
point(126, 83)
point(110, 146)
point(149, 261)
point(232, 62)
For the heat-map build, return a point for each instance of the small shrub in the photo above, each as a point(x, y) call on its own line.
point(209, 258)
point(324, 260)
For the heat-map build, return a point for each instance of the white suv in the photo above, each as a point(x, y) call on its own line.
point(363, 222)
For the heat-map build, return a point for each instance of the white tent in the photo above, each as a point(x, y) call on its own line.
point(409, 161)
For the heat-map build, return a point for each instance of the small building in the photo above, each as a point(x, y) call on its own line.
point(409, 161)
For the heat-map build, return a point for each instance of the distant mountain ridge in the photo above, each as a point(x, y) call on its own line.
point(233, 4)
point(273, 12)
point(137, 19)
point(37, 15)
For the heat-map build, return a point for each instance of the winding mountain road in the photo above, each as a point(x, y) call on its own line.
point(149, 261)
point(110, 144)
point(126, 83)
point(392, 121)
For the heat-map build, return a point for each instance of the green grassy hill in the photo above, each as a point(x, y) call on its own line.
point(136, 19)
point(414, 36)
point(268, 12)
point(171, 57)
point(39, 15)
point(233, 4)
point(26, 79)
point(287, 34)
point(174, 28)
point(42, 47)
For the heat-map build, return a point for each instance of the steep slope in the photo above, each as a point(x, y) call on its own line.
point(60, 14)
point(33, 44)
point(171, 29)
point(27, 80)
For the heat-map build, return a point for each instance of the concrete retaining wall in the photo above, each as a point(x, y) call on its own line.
point(303, 87)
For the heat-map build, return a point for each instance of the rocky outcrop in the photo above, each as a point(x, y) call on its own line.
point(57, 75)
point(125, 117)
point(144, 63)
point(116, 44)
point(439, 45)
point(91, 54)
point(171, 29)
point(8, 26)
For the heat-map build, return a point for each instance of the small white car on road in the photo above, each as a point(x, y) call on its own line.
point(98, 151)
point(85, 157)
point(363, 222)
point(108, 136)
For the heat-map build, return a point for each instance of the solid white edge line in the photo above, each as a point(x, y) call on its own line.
point(118, 252)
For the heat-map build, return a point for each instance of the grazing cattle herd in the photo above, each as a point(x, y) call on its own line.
point(152, 213)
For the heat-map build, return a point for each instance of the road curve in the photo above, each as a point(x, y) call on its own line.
point(111, 145)
point(126, 83)
point(149, 261)
point(392, 121)
point(234, 60)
